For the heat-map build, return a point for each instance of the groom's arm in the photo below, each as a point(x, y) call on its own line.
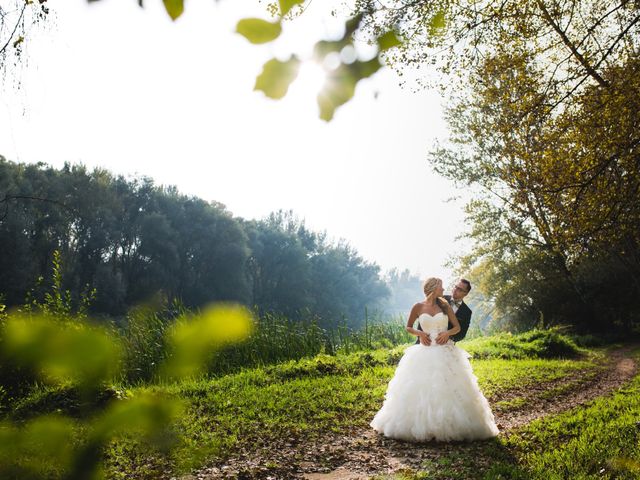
point(419, 328)
point(464, 317)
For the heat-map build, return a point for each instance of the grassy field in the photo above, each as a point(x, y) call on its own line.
point(308, 397)
point(303, 399)
point(601, 441)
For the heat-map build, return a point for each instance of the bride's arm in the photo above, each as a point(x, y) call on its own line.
point(413, 315)
point(443, 337)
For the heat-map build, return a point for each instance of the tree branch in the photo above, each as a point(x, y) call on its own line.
point(565, 39)
point(24, 6)
point(6, 199)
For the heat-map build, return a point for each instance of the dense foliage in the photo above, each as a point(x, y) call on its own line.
point(130, 239)
point(555, 218)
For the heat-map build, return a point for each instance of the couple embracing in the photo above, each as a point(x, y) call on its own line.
point(434, 394)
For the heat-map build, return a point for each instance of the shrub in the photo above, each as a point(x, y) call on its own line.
point(532, 344)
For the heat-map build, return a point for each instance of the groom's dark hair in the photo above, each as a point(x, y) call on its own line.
point(467, 283)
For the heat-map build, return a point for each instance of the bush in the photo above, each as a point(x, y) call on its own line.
point(532, 344)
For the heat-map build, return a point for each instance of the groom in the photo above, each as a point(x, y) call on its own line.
point(461, 309)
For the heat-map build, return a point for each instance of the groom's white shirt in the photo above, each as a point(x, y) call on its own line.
point(454, 307)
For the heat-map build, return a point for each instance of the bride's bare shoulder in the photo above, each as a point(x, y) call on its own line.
point(418, 306)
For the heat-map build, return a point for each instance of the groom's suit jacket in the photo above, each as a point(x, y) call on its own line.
point(464, 317)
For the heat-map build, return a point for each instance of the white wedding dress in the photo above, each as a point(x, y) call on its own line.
point(434, 394)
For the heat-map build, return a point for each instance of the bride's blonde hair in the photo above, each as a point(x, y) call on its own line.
point(430, 285)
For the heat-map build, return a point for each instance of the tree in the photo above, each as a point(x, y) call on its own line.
point(571, 41)
point(132, 240)
point(345, 285)
point(406, 289)
point(299, 273)
point(279, 264)
point(17, 17)
point(129, 239)
point(559, 190)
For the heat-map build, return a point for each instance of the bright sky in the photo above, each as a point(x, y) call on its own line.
point(116, 86)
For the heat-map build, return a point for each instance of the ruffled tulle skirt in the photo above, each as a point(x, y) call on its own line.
point(434, 395)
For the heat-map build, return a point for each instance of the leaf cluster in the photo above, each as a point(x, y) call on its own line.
point(86, 356)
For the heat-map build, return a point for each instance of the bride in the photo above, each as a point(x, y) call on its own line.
point(434, 394)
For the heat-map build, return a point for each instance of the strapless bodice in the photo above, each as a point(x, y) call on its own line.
point(433, 324)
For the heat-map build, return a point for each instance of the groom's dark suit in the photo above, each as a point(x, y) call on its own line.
point(464, 317)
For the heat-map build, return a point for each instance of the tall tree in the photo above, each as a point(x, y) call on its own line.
point(564, 184)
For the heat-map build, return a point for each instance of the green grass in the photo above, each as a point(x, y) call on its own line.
point(301, 399)
point(513, 404)
point(496, 376)
point(532, 344)
point(275, 339)
point(599, 441)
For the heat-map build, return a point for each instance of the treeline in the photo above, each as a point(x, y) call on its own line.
point(130, 239)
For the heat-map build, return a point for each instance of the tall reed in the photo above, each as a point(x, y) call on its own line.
point(278, 338)
point(275, 338)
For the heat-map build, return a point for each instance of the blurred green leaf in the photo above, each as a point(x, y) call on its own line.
point(257, 30)
point(148, 415)
point(174, 8)
point(625, 464)
point(437, 23)
point(365, 69)
point(42, 447)
point(352, 25)
point(324, 47)
point(62, 351)
point(388, 40)
point(194, 338)
point(337, 90)
point(276, 77)
point(286, 5)
point(341, 84)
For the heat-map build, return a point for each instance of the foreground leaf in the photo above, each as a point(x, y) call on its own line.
point(337, 90)
point(276, 77)
point(193, 338)
point(62, 351)
point(341, 85)
point(174, 8)
point(147, 415)
point(258, 31)
point(286, 5)
point(437, 23)
point(388, 40)
point(325, 47)
point(41, 448)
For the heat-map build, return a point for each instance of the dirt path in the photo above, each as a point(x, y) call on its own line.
point(364, 453)
point(568, 392)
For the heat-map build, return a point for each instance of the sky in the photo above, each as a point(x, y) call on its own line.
point(115, 86)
